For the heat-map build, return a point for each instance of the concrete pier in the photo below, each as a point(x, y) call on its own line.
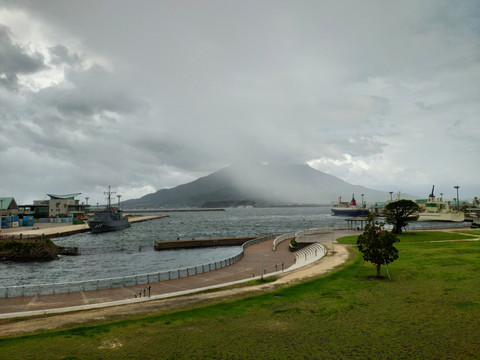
point(197, 243)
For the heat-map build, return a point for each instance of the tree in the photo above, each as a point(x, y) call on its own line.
point(401, 212)
point(376, 244)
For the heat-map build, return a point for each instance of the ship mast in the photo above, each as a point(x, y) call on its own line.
point(109, 194)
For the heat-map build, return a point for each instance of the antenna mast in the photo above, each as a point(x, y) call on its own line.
point(109, 194)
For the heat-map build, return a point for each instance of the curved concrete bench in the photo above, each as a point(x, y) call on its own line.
point(309, 254)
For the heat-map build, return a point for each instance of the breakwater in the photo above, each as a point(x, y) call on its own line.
point(201, 243)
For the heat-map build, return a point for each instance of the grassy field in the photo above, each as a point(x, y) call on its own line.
point(424, 236)
point(431, 310)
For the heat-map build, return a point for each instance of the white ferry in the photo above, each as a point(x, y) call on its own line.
point(436, 209)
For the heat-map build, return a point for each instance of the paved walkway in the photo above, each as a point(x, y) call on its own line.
point(248, 267)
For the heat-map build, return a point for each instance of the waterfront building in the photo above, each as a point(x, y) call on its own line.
point(8, 206)
point(59, 206)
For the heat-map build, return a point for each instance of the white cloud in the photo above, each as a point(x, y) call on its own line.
point(143, 97)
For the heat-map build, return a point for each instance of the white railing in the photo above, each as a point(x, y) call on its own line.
point(108, 283)
point(302, 236)
point(281, 238)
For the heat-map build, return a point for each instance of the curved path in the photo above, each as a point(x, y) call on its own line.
point(165, 294)
point(247, 268)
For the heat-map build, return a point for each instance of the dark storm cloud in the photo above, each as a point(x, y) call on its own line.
point(60, 54)
point(14, 60)
point(177, 89)
point(87, 92)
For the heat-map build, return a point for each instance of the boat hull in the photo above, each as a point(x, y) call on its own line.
point(106, 226)
point(447, 216)
point(349, 212)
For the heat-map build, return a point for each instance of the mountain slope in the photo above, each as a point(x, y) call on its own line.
point(264, 184)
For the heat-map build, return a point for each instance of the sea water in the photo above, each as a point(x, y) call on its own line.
point(130, 251)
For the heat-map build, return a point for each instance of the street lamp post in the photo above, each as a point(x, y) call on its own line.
point(333, 237)
point(1, 213)
point(458, 201)
point(86, 205)
point(261, 264)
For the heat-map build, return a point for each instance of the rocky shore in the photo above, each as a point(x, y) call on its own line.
point(28, 250)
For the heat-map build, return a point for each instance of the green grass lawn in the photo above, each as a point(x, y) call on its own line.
point(422, 236)
point(431, 310)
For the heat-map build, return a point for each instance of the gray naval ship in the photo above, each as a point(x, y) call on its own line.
point(110, 219)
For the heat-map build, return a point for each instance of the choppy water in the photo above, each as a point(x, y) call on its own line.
point(130, 251)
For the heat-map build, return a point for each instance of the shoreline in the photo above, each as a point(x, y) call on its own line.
point(61, 229)
point(218, 285)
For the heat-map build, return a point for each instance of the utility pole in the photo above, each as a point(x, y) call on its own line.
point(1, 213)
point(261, 263)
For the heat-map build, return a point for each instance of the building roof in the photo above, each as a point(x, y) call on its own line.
point(7, 201)
point(63, 197)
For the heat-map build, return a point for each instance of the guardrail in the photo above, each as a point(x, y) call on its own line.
point(108, 283)
point(281, 238)
point(301, 236)
point(22, 237)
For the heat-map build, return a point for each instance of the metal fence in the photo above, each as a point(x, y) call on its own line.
point(108, 283)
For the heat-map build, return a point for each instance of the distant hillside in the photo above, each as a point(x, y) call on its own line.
point(261, 185)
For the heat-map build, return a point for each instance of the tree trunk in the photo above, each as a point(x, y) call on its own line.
point(379, 272)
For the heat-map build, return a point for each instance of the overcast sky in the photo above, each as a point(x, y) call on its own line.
point(145, 95)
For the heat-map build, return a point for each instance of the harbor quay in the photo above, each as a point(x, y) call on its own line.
point(62, 229)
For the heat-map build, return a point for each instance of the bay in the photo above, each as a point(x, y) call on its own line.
point(130, 251)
